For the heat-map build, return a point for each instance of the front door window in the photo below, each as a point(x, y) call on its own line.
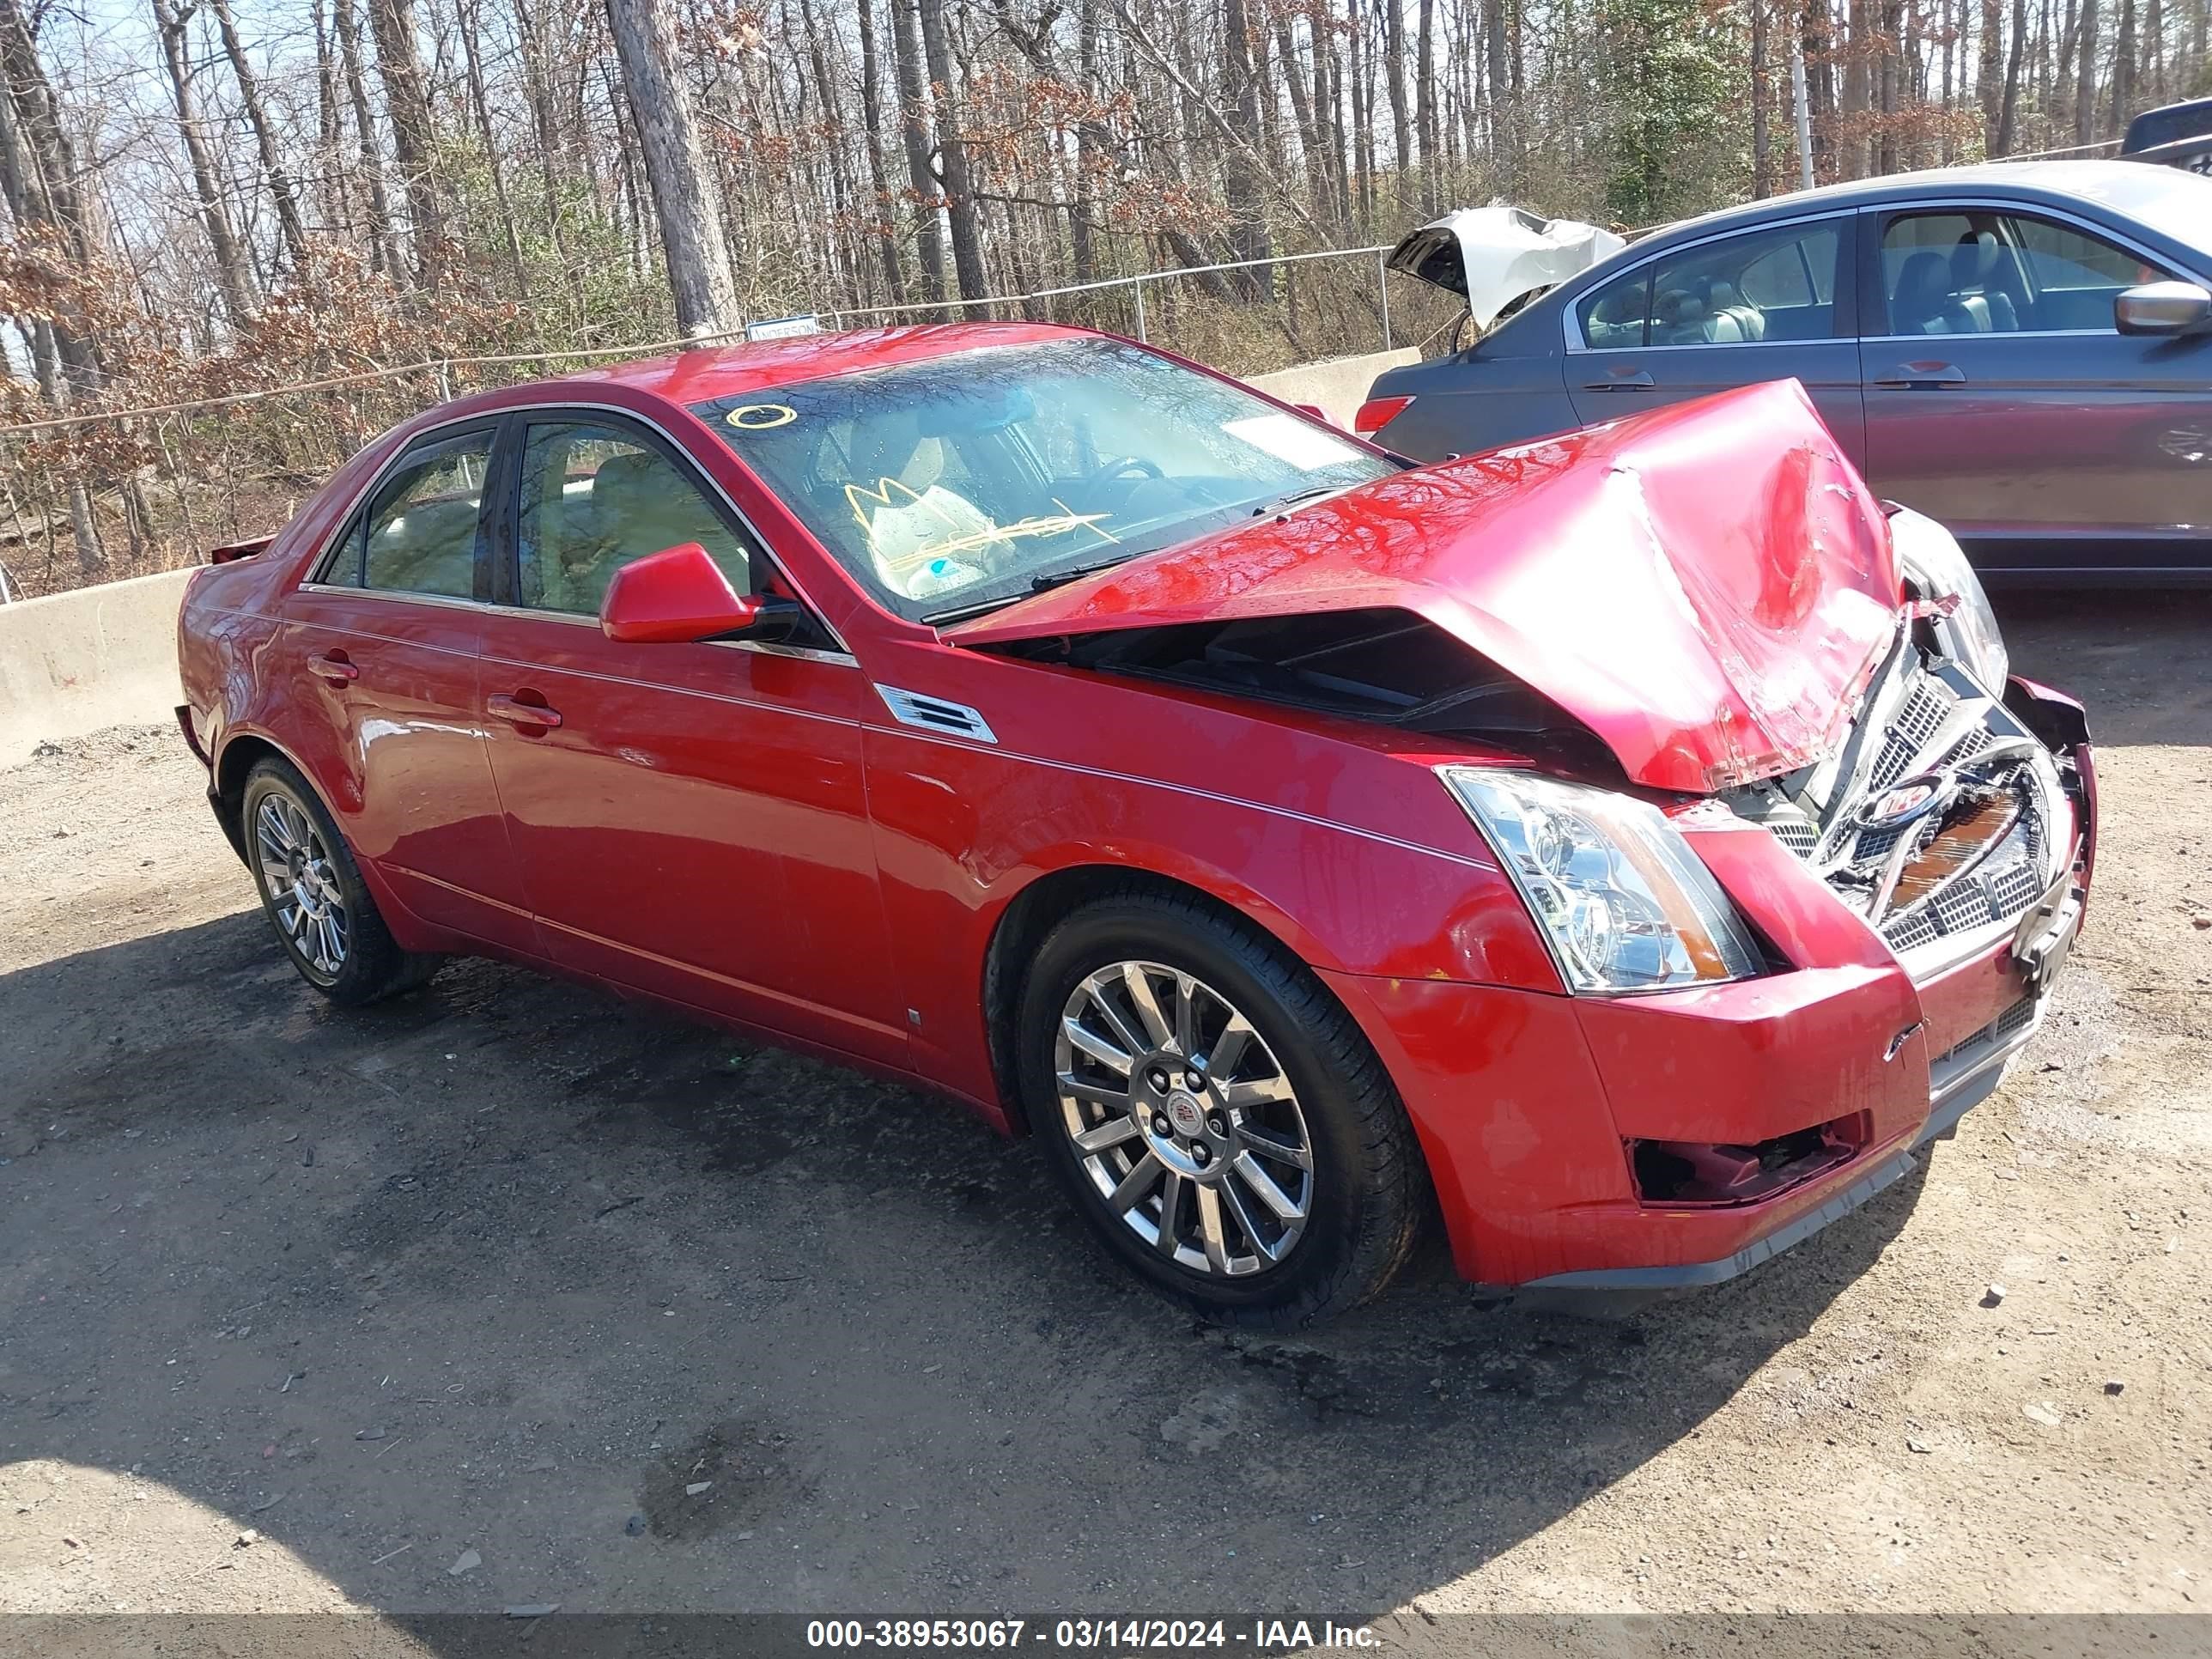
point(593, 499)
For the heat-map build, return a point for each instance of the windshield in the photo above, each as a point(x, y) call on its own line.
point(951, 484)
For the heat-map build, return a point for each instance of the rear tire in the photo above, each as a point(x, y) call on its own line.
point(1252, 1158)
point(310, 889)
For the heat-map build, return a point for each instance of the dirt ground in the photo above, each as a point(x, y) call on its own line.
point(499, 1273)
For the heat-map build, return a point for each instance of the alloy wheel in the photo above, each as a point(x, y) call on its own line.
point(1183, 1119)
point(305, 895)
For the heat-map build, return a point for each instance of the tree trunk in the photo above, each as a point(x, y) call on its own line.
point(2008, 105)
point(1988, 75)
point(1424, 107)
point(2124, 67)
point(329, 193)
point(222, 240)
point(2085, 67)
point(1393, 88)
point(1762, 177)
point(383, 252)
point(1855, 112)
point(1504, 131)
point(537, 83)
point(414, 140)
point(914, 128)
point(264, 138)
point(871, 122)
point(689, 217)
point(1240, 187)
point(472, 61)
point(952, 160)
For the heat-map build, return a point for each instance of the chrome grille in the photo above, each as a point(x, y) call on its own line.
point(1873, 844)
point(1927, 730)
point(1962, 906)
point(1912, 930)
point(1796, 834)
point(2013, 889)
point(1915, 723)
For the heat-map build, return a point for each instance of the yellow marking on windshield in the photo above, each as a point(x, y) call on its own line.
point(761, 417)
point(1035, 525)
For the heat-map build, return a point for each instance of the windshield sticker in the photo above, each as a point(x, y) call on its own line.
point(1288, 439)
point(761, 417)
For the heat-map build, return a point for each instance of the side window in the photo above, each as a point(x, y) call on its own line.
point(594, 499)
point(2059, 258)
point(420, 531)
point(2001, 273)
point(1762, 287)
point(1613, 316)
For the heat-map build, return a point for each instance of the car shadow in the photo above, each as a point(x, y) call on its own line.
point(652, 1320)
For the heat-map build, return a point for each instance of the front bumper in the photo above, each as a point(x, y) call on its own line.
point(1530, 1106)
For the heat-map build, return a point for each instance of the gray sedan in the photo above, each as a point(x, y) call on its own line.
point(2023, 352)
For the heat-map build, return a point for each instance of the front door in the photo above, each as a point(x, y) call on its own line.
point(689, 819)
point(1761, 305)
point(380, 647)
point(2003, 402)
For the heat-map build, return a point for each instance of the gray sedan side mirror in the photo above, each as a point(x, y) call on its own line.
point(2162, 309)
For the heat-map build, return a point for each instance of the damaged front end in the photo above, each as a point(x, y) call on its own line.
point(1945, 817)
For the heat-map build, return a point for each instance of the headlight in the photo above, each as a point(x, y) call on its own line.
point(1627, 904)
point(1931, 556)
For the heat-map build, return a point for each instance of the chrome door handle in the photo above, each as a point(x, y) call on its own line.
point(334, 667)
point(1925, 374)
point(515, 712)
point(1634, 379)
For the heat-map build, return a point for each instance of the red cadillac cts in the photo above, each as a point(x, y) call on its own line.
point(1624, 849)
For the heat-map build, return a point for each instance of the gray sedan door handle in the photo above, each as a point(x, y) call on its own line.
point(1922, 375)
point(1621, 379)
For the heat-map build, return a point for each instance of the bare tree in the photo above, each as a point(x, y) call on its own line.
point(265, 139)
point(690, 218)
point(414, 140)
point(230, 273)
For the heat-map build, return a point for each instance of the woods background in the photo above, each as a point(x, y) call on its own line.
point(207, 197)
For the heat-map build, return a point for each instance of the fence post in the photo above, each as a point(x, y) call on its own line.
point(1383, 282)
point(1139, 284)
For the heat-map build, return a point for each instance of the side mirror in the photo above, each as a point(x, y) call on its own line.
point(2162, 309)
point(680, 594)
point(1314, 412)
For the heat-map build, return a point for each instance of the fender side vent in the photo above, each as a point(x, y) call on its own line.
point(955, 719)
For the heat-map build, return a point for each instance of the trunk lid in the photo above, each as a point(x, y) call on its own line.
point(1709, 587)
point(1493, 256)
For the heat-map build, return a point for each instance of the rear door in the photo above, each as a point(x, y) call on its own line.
point(2001, 400)
point(1733, 310)
point(687, 818)
point(378, 646)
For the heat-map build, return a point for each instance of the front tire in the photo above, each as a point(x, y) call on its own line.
point(1216, 1113)
point(312, 892)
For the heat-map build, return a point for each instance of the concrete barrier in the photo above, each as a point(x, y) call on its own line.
point(73, 663)
point(1339, 385)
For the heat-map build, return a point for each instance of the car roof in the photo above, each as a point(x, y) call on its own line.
point(2111, 182)
point(695, 377)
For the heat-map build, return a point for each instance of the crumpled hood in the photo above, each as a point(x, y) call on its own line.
point(1709, 587)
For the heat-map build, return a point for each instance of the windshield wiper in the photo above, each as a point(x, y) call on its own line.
point(1299, 497)
point(1052, 578)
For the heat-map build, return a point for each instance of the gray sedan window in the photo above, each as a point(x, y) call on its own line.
point(1764, 286)
point(1976, 271)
